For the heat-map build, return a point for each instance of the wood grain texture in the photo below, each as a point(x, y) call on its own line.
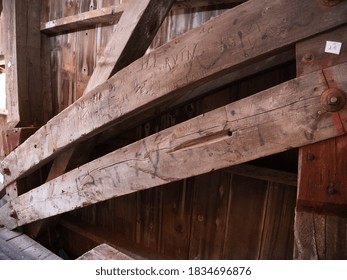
point(198, 56)
point(23, 48)
point(244, 227)
point(250, 128)
point(176, 219)
point(322, 177)
point(209, 216)
point(134, 32)
point(311, 55)
point(277, 235)
point(320, 237)
point(110, 15)
point(104, 252)
point(15, 245)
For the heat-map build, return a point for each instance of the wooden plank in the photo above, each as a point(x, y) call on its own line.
point(320, 237)
point(176, 219)
point(107, 15)
point(7, 235)
point(311, 55)
point(58, 168)
point(104, 252)
point(148, 219)
point(323, 187)
point(176, 69)
point(209, 216)
point(9, 45)
point(23, 62)
point(261, 173)
point(18, 246)
point(245, 220)
point(214, 140)
point(277, 236)
point(140, 20)
point(97, 235)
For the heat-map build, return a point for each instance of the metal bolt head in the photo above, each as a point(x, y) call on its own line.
point(333, 99)
point(310, 156)
point(307, 57)
point(331, 190)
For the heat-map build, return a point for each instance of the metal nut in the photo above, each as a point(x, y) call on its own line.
point(308, 57)
point(331, 190)
point(333, 99)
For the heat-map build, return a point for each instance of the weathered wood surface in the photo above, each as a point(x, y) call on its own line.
point(220, 46)
point(134, 32)
point(12, 138)
point(311, 55)
point(277, 234)
point(97, 235)
point(22, 55)
point(320, 237)
point(108, 15)
point(111, 15)
point(120, 48)
point(275, 176)
point(320, 219)
point(104, 252)
point(15, 245)
point(239, 132)
point(323, 177)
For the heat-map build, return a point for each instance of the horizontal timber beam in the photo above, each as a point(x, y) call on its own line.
point(177, 71)
point(107, 15)
point(245, 130)
point(267, 174)
point(111, 15)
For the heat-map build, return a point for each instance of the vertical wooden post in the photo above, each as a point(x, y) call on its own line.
point(22, 58)
point(321, 213)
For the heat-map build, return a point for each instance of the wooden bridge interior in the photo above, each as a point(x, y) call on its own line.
point(162, 129)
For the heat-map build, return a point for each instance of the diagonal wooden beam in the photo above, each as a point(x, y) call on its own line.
point(177, 72)
point(245, 130)
point(134, 33)
point(132, 24)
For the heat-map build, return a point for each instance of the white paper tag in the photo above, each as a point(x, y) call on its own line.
point(333, 47)
point(1, 178)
